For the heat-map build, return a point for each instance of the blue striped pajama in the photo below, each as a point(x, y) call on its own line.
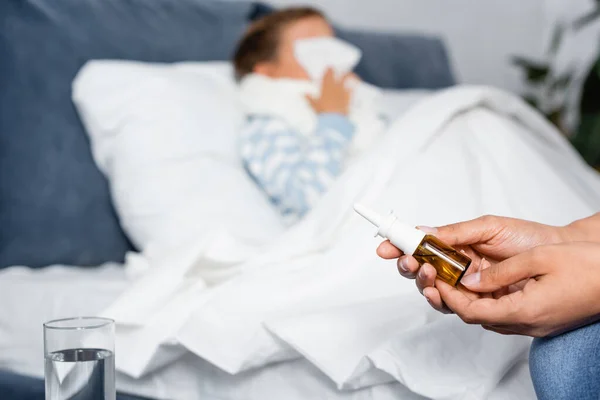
point(295, 169)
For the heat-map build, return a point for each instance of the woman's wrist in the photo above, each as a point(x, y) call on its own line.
point(583, 230)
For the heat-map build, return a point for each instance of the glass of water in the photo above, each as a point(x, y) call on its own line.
point(79, 359)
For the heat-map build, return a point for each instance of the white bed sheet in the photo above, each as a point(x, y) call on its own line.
point(30, 297)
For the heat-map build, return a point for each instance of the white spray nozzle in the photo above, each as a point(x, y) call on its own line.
point(368, 214)
point(403, 236)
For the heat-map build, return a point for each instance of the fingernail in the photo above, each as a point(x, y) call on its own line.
point(471, 280)
point(427, 229)
point(425, 291)
point(403, 265)
point(485, 264)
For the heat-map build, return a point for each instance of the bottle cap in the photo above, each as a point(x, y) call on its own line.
point(401, 235)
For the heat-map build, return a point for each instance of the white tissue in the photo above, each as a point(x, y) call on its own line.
point(316, 55)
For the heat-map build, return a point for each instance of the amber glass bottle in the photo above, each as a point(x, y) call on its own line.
point(449, 263)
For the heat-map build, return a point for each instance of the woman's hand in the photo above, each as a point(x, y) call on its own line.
point(561, 291)
point(335, 96)
point(486, 240)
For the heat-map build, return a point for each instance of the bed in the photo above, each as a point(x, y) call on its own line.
point(58, 291)
point(233, 348)
point(70, 246)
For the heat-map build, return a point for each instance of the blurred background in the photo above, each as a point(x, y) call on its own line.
point(61, 201)
point(545, 50)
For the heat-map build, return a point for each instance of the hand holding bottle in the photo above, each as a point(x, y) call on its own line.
point(560, 290)
point(491, 238)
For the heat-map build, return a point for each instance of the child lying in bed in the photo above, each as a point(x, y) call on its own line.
point(299, 133)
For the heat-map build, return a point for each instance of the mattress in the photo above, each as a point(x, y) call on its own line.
point(30, 297)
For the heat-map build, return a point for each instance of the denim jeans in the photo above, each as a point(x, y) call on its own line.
point(567, 367)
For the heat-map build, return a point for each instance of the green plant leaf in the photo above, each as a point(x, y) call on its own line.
point(536, 71)
point(555, 116)
point(557, 36)
point(590, 101)
point(562, 82)
point(587, 19)
point(532, 101)
point(596, 67)
point(587, 138)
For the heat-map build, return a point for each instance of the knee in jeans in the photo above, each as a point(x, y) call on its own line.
point(566, 366)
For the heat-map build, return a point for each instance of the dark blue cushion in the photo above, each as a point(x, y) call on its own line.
point(20, 387)
point(401, 61)
point(54, 203)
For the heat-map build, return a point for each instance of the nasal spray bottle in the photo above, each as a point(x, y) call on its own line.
point(450, 264)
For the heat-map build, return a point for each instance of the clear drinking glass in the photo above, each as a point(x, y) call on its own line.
point(79, 359)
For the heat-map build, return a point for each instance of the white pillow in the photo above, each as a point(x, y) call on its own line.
point(165, 136)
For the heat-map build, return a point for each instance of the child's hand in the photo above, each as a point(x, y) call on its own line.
point(335, 96)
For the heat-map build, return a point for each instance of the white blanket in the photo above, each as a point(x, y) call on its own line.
point(321, 293)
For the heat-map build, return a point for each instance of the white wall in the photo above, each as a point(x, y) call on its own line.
point(480, 34)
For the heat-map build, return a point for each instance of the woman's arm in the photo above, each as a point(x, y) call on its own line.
point(584, 230)
point(292, 168)
point(560, 286)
